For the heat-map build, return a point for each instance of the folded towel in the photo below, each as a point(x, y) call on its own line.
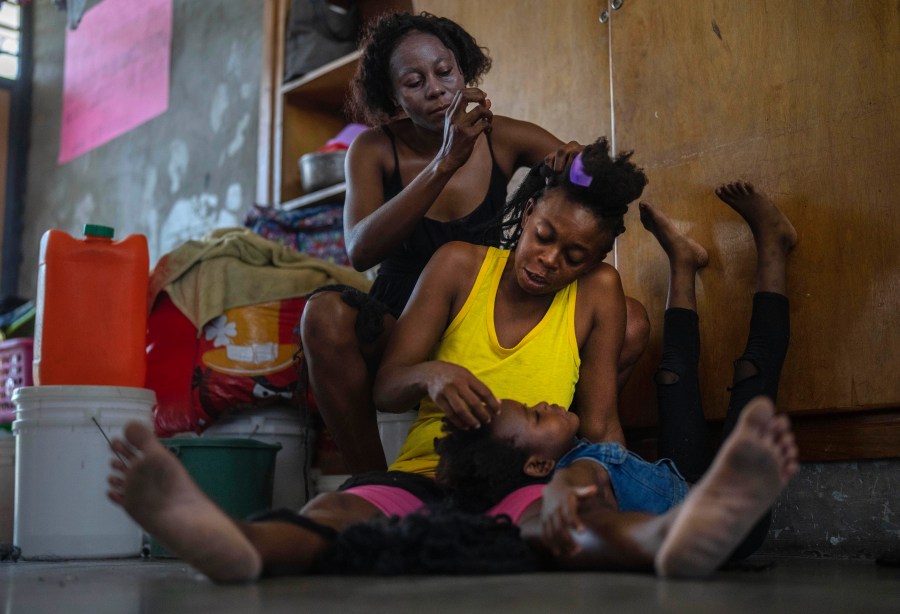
point(233, 267)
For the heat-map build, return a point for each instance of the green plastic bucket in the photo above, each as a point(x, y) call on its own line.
point(237, 474)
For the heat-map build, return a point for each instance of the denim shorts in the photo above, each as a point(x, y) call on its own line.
point(639, 486)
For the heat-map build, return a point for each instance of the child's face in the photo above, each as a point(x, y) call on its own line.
point(542, 429)
point(560, 242)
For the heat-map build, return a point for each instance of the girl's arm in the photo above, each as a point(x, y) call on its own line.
point(407, 374)
point(570, 488)
point(601, 297)
point(374, 228)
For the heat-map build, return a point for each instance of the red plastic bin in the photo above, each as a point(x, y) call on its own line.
point(15, 372)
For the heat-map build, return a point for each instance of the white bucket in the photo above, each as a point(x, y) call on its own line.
point(7, 486)
point(284, 425)
point(393, 429)
point(62, 463)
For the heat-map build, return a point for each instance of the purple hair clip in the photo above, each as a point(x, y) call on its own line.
point(577, 174)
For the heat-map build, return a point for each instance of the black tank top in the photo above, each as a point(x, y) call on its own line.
point(399, 272)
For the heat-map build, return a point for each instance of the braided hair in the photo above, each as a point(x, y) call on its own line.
point(371, 92)
point(603, 184)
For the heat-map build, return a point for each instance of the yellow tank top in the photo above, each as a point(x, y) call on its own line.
point(543, 366)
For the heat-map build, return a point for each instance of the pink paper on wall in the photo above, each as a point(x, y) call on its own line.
point(116, 72)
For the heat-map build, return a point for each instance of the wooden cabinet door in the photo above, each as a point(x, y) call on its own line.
point(5, 106)
point(799, 98)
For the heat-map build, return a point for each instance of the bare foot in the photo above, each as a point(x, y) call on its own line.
point(681, 249)
point(769, 225)
point(157, 491)
point(754, 465)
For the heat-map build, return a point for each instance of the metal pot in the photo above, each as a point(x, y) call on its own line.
point(321, 169)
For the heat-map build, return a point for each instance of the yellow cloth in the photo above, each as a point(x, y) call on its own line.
point(233, 267)
point(543, 366)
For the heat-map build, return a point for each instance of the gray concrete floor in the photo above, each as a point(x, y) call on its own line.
point(766, 584)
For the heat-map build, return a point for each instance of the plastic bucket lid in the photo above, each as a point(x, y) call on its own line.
point(64, 396)
point(48, 406)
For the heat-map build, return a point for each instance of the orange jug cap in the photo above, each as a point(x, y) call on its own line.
point(95, 230)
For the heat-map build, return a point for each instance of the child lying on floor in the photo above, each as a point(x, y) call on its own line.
point(590, 514)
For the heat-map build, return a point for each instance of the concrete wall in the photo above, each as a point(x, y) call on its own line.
point(174, 178)
point(838, 510)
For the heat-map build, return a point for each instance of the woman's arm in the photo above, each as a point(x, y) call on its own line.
point(406, 373)
point(523, 144)
point(600, 313)
point(374, 228)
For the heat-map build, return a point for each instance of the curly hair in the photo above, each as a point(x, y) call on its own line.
point(615, 182)
point(476, 470)
point(371, 93)
point(440, 540)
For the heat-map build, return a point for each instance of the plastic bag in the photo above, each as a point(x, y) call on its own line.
point(241, 360)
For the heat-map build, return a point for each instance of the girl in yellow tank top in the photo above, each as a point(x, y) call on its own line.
point(471, 340)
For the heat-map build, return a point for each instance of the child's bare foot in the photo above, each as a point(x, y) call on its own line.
point(156, 490)
point(765, 219)
point(754, 465)
point(686, 257)
point(681, 249)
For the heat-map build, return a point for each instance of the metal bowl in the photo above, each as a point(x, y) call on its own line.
point(320, 170)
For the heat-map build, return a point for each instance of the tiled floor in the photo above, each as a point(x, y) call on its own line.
point(805, 586)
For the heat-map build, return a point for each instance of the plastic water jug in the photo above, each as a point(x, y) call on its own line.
point(91, 320)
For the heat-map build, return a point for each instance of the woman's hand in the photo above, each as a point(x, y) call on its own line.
point(462, 128)
point(463, 398)
point(558, 160)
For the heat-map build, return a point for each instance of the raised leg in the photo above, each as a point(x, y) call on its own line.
point(341, 370)
point(683, 432)
point(758, 371)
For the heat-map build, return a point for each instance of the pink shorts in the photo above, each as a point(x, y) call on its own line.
point(391, 500)
point(515, 503)
point(394, 501)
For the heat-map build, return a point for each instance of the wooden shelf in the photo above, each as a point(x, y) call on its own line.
point(326, 82)
point(315, 198)
point(299, 116)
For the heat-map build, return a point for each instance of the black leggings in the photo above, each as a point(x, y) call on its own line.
point(683, 433)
